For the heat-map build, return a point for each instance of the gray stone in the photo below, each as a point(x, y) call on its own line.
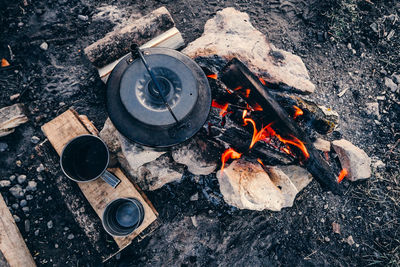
point(155, 174)
point(17, 191)
point(354, 159)
point(16, 218)
point(32, 186)
point(29, 197)
point(15, 96)
point(25, 209)
point(23, 203)
point(40, 168)
point(83, 17)
point(5, 183)
point(373, 109)
point(299, 176)
point(3, 147)
point(44, 46)
point(37, 232)
point(230, 34)
point(195, 197)
point(10, 118)
point(198, 155)
point(350, 240)
point(27, 226)
point(396, 78)
point(390, 84)
point(35, 139)
point(50, 224)
point(21, 179)
point(12, 178)
point(322, 145)
point(71, 236)
point(15, 206)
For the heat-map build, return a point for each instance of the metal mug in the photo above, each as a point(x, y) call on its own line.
point(122, 216)
point(85, 158)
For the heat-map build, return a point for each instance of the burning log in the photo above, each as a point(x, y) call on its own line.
point(237, 75)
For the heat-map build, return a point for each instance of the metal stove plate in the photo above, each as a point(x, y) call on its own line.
point(156, 135)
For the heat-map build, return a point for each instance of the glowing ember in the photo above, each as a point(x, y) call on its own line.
point(230, 153)
point(343, 173)
point(4, 63)
point(223, 108)
point(297, 112)
point(257, 107)
point(237, 88)
point(213, 76)
point(262, 81)
point(260, 161)
point(247, 93)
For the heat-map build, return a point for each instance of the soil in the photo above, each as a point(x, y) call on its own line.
point(341, 51)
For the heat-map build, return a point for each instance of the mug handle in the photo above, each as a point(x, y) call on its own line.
point(110, 179)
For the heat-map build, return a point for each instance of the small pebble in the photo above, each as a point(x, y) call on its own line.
point(16, 191)
point(20, 24)
point(15, 206)
point(71, 236)
point(29, 197)
point(37, 232)
point(35, 139)
point(66, 228)
point(25, 209)
point(13, 97)
point(195, 197)
point(327, 239)
point(56, 245)
point(27, 226)
point(50, 224)
point(18, 163)
point(12, 178)
point(44, 46)
point(32, 186)
point(350, 240)
point(3, 147)
point(40, 168)
point(322, 220)
point(5, 183)
point(16, 218)
point(83, 17)
point(118, 256)
point(23, 203)
point(21, 179)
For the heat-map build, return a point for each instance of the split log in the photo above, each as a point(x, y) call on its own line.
point(236, 74)
point(10, 118)
point(117, 43)
point(13, 249)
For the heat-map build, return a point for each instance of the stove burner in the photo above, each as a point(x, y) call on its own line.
point(138, 110)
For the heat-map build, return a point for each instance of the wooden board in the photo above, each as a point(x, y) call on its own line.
point(12, 247)
point(59, 132)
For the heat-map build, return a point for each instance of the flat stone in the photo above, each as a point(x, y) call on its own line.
point(322, 145)
point(299, 176)
point(230, 34)
point(198, 155)
point(389, 83)
point(10, 118)
point(354, 159)
point(155, 174)
point(246, 185)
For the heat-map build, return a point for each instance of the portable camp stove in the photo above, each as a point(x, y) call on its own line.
point(158, 97)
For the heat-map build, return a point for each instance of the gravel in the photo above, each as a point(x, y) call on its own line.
point(21, 179)
point(50, 224)
point(17, 191)
point(5, 183)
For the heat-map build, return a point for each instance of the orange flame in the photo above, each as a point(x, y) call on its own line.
point(257, 135)
point(223, 108)
point(213, 76)
point(297, 112)
point(257, 107)
point(260, 161)
point(244, 113)
point(237, 88)
point(247, 93)
point(262, 81)
point(343, 173)
point(230, 153)
point(4, 63)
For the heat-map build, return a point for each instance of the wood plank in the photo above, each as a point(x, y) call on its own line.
point(12, 245)
point(59, 132)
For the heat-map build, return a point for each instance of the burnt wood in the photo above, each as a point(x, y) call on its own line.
point(236, 74)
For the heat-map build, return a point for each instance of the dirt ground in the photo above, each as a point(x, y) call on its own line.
point(345, 44)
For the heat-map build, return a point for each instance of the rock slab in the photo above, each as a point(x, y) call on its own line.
point(247, 185)
point(230, 34)
point(354, 159)
point(10, 118)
